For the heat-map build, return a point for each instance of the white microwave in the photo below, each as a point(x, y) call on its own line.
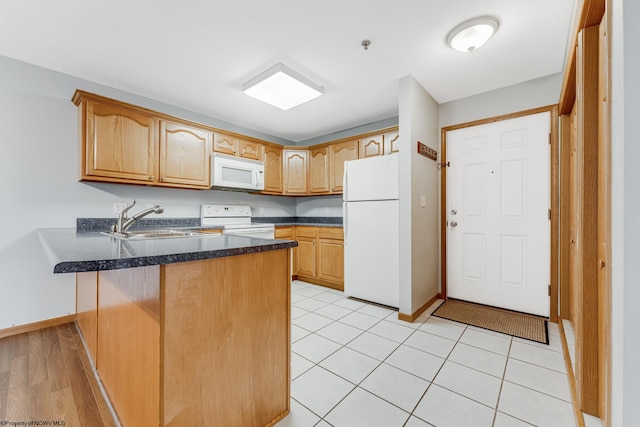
point(236, 173)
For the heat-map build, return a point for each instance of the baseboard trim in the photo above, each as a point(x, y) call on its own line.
point(577, 412)
point(30, 327)
point(411, 317)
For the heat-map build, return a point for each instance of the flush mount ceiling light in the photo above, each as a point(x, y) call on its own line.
point(282, 87)
point(473, 33)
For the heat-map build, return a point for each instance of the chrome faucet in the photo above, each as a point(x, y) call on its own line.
point(124, 223)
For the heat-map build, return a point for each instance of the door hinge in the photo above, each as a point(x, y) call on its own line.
point(549, 138)
point(549, 214)
point(549, 289)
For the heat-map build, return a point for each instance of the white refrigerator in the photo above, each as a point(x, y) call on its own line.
point(371, 229)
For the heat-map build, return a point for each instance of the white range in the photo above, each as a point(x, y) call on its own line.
point(235, 220)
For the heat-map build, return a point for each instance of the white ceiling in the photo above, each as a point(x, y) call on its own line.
point(196, 54)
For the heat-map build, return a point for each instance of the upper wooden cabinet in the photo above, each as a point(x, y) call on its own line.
point(319, 170)
point(272, 169)
point(237, 146)
point(117, 143)
point(338, 154)
point(225, 143)
point(371, 146)
point(391, 140)
point(127, 144)
point(295, 171)
point(184, 154)
point(378, 145)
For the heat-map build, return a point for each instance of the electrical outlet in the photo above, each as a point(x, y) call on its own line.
point(326, 211)
point(261, 211)
point(423, 201)
point(118, 207)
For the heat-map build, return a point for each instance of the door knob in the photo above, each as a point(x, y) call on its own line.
point(454, 223)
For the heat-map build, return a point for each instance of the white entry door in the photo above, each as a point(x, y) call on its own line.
point(498, 226)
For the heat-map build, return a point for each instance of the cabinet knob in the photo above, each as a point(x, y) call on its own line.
point(162, 179)
point(151, 178)
point(601, 264)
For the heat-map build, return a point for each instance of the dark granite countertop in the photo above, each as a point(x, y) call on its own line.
point(103, 224)
point(315, 221)
point(70, 251)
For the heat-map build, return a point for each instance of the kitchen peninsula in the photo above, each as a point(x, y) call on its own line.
point(183, 331)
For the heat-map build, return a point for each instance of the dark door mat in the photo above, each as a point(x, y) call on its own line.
point(512, 323)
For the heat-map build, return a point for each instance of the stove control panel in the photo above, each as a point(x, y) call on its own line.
point(225, 211)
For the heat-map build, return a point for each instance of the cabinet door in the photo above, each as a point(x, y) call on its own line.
point(306, 256)
point(371, 146)
point(118, 143)
point(272, 169)
point(319, 170)
point(295, 171)
point(87, 310)
point(338, 154)
point(184, 155)
point(391, 142)
point(331, 260)
point(250, 149)
point(225, 143)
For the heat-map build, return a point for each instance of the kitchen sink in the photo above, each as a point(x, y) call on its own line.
point(163, 234)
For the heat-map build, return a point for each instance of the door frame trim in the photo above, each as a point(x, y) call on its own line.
point(554, 193)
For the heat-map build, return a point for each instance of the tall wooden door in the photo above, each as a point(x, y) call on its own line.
point(498, 225)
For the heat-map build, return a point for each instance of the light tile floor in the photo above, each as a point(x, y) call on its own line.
point(356, 364)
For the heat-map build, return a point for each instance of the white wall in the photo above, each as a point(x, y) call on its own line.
point(319, 206)
point(346, 133)
point(40, 188)
point(419, 226)
point(524, 96)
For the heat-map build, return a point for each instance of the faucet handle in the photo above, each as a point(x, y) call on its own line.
point(123, 214)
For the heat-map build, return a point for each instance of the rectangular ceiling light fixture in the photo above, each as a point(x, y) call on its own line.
point(282, 87)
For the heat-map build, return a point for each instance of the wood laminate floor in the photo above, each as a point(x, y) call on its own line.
point(45, 375)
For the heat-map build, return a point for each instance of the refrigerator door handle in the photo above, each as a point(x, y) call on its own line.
point(345, 188)
point(344, 223)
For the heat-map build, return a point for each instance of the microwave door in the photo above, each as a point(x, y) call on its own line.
point(232, 175)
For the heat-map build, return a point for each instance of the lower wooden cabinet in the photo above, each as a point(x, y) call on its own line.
point(306, 254)
point(331, 255)
point(319, 257)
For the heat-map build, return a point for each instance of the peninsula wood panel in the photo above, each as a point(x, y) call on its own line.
point(319, 170)
point(87, 310)
point(118, 142)
point(226, 341)
point(129, 342)
point(184, 155)
point(338, 154)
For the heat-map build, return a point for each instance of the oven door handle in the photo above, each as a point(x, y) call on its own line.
point(247, 231)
